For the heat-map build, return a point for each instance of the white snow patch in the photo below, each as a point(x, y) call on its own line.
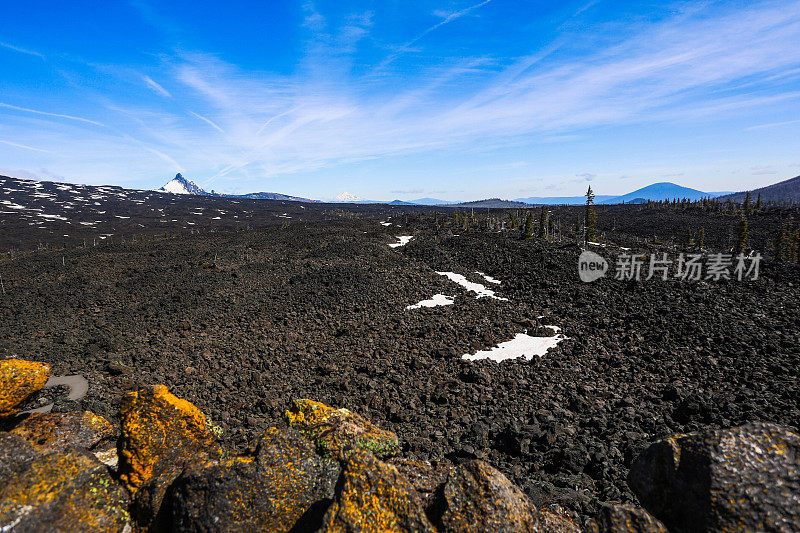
point(120, 216)
point(52, 217)
point(175, 187)
point(522, 345)
point(404, 239)
point(488, 278)
point(12, 205)
point(386, 223)
point(477, 288)
point(438, 299)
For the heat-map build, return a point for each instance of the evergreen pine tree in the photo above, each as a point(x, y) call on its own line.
point(527, 228)
point(702, 240)
point(590, 217)
point(748, 204)
point(741, 246)
point(759, 205)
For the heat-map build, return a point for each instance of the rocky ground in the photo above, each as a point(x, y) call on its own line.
point(241, 322)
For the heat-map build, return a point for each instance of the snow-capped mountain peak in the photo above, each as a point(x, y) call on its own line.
point(347, 197)
point(180, 185)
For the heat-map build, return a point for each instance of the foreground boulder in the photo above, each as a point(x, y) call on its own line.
point(70, 491)
point(338, 432)
point(160, 432)
point(479, 498)
point(18, 380)
point(745, 478)
point(55, 432)
point(16, 455)
point(373, 496)
point(284, 482)
point(422, 475)
point(625, 519)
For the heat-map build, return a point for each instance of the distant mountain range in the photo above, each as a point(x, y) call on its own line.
point(491, 203)
point(662, 191)
point(788, 190)
point(561, 200)
point(784, 191)
point(180, 185)
point(657, 191)
point(348, 198)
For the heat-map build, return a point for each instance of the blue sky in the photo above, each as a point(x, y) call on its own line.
point(450, 99)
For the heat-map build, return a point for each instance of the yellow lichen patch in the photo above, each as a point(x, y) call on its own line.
point(374, 497)
point(49, 432)
point(158, 427)
point(267, 490)
point(338, 432)
point(18, 380)
point(69, 491)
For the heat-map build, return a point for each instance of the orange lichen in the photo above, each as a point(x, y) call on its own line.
point(49, 432)
point(157, 426)
point(268, 490)
point(337, 432)
point(72, 491)
point(18, 380)
point(374, 497)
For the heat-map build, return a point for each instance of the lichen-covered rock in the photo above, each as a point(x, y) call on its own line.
point(16, 454)
point(283, 482)
point(744, 479)
point(147, 501)
point(18, 380)
point(160, 433)
point(338, 432)
point(625, 519)
point(69, 491)
point(422, 475)
point(478, 498)
point(55, 432)
point(553, 519)
point(373, 496)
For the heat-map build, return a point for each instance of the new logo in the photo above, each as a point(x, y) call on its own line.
point(591, 266)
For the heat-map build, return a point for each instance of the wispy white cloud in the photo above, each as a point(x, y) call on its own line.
point(209, 122)
point(447, 18)
point(326, 113)
point(773, 125)
point(24, 147)
point(45, 113)
point(156, 87)
point(23, 50)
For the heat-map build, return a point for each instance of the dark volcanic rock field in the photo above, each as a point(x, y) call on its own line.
point(241, 322)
